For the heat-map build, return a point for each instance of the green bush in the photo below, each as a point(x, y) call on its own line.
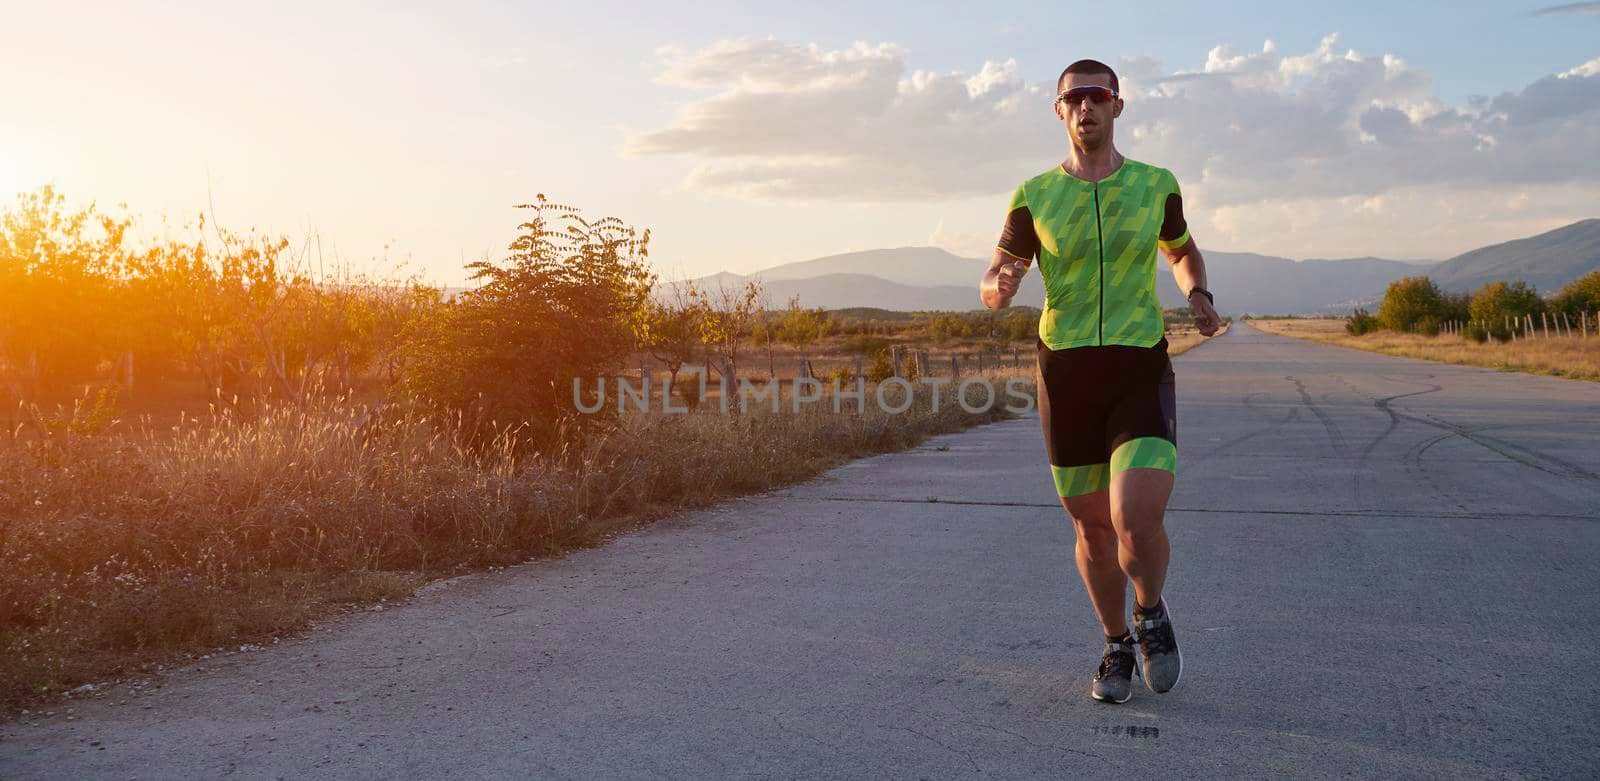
point(1496, 302)
point(801, 327)
point(1476, 332)
point(1454, 307)
point(1360, 323)
point(882, 367)
point(1579, 295)
point(570, 302)
point(1408, 301)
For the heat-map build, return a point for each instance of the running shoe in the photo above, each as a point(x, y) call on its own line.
point(1113, 682)
point(1159, 659)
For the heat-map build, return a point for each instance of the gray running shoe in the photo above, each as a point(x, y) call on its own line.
point(1160, 661)
point(1113, 682)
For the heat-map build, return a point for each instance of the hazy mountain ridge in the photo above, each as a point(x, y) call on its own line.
point(1547, 260)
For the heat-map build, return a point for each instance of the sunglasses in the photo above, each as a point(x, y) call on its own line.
point(1093, 93)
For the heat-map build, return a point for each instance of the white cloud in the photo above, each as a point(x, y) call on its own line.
point(1569, 8)
point(801, 122)
point(784, 121)
point(1590, 68)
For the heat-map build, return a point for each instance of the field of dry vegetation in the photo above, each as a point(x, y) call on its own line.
point(1576, 357)
point(127, 551)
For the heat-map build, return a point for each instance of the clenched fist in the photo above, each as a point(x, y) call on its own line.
point(1009, 278)
point(1206, 319)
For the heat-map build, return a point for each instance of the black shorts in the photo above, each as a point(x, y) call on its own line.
point(1106, 409)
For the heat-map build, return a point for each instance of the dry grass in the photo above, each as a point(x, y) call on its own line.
point(126, 550)
point(1574, 357)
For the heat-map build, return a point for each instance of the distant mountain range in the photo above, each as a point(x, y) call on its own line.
point(929, 278)
point(1546, 261)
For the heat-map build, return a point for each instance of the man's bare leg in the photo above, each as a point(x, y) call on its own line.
point(1096, 551)
point(1138, 502)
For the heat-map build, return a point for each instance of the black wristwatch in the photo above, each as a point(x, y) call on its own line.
point(1210, 299)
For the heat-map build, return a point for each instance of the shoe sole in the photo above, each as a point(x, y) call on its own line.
point(1177, 649)
point(1109, 701)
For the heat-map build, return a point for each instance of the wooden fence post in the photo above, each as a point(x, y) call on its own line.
point(955, 366)
point(894, 358)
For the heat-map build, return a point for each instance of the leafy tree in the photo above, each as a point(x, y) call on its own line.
point(1412, 302)
point(1455, 306)
point(882, 367)
point(801, 327)
point(568, 303)
point(243, 313)
point(59, 272)
point(675, 326)
point(1498, 301)
point(727, 317)
point(1579, 295)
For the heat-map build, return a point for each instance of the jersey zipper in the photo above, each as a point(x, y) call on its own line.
point(1100, 237)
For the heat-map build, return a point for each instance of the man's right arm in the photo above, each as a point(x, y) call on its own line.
point(1018, 245)
point(1001, 281)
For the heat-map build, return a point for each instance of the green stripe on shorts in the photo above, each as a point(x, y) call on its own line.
point(1080, 480)
point(1145, 453)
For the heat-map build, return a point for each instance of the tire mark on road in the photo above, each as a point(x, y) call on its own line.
point(1394, 418)
point(1273, 425)
point(1412, 461)
point(1528, 457)
point(1334, 434)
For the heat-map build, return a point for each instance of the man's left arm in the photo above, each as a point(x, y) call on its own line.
point(1188, 265)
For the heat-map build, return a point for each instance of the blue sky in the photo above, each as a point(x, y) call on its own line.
point(404, 133)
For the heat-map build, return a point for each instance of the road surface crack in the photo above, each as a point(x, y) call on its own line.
point(1031, 742)
point(936, 742)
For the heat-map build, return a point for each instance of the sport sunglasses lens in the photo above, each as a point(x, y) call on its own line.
point(1094, 94)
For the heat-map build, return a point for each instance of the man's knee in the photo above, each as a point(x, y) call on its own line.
point(1091, 518)
point(1137, 528)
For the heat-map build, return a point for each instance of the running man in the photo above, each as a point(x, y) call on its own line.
point(1106, 394)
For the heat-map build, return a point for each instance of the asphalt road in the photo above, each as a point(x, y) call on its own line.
point(1382, 567)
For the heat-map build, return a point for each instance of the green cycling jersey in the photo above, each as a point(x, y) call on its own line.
point(1096, 245)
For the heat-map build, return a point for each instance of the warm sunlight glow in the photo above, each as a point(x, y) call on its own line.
point(10, 178)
